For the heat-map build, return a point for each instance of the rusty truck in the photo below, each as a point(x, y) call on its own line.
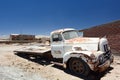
point(78, 54)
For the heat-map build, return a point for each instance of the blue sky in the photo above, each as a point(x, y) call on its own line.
point(40, 17)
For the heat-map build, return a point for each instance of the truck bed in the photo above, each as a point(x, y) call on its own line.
point(39, 50)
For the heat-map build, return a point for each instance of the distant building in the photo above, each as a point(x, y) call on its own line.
point(22, 37)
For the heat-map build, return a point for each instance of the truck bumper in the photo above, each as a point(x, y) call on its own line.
point(105, 65)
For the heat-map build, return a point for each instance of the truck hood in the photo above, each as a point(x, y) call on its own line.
point(89, 44)
point(83, 40)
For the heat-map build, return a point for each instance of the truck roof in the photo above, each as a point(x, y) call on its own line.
point(62, 30)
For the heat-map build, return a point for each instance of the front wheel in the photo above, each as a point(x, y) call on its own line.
point(78, 67)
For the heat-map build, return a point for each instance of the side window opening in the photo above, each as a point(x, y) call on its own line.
point(56, 37)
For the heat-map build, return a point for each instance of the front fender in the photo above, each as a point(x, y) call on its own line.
point(84, 55)
point(68, 55)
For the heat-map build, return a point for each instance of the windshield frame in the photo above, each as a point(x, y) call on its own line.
point(68, 36)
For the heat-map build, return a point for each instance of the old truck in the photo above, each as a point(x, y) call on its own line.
point(78, 54)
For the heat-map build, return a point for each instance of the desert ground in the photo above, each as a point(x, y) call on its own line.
point(20, 67)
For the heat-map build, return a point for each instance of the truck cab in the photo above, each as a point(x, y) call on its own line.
point(58, 41)
point(80, 54)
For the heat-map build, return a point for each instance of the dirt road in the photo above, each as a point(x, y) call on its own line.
point(20, 67)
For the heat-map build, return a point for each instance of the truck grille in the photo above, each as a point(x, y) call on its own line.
point(106, 48)
point(104, 57)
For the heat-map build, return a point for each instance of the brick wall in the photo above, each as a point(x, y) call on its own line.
point(114, 41)
point(110, 30)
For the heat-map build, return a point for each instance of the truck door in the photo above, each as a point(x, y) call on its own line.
point(57, 45)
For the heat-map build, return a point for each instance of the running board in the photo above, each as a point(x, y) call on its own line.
point(56, 63)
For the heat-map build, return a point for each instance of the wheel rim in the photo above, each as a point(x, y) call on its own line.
point(77, 67)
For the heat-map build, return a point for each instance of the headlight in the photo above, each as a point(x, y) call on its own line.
point(93, 57)
point(101, 59)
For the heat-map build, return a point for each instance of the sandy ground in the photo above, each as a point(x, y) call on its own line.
point(20, 67)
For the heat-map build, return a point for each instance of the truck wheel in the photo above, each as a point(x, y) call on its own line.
point(78, 67)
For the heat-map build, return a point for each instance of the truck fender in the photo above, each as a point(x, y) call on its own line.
point(73, 54)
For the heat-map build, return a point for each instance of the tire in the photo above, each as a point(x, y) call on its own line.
point(78, 67)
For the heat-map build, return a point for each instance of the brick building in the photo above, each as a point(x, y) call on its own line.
point(110, 30)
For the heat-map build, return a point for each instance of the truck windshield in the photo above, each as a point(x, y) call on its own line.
point(70, 34)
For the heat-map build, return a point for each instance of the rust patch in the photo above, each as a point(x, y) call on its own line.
point(86, 58)
point(78, 40)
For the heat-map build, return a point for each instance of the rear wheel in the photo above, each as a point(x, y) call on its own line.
point(78, 67)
